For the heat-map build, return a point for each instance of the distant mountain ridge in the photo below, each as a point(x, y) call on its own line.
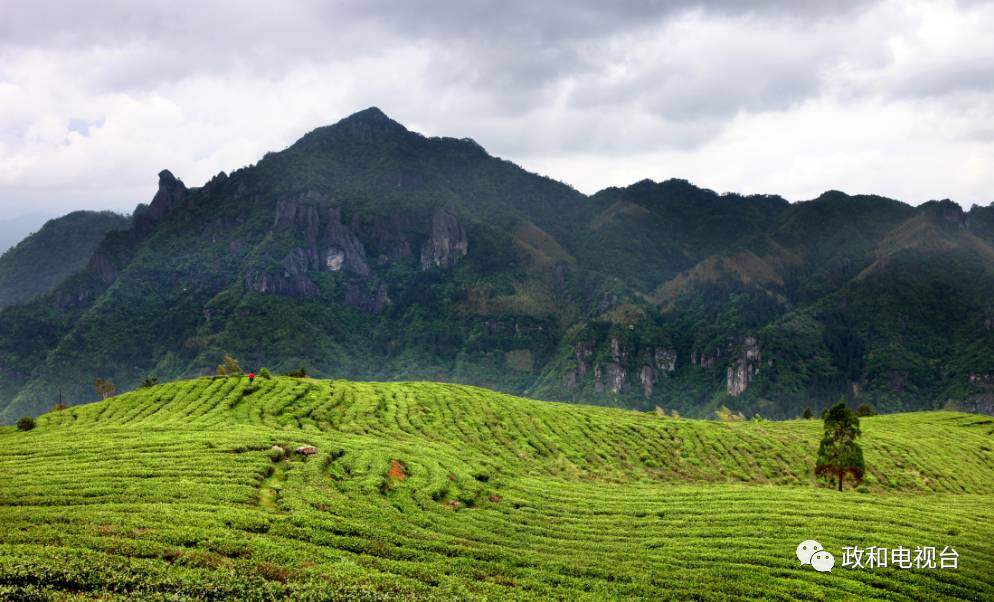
point(14, 230)
point(368, 251)
point(58, 250)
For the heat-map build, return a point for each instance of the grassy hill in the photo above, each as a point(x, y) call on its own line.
point(422, 490)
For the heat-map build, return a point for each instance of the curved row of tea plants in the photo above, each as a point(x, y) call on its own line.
point(451, 492)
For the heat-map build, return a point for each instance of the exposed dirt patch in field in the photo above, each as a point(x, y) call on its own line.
point(397, 470)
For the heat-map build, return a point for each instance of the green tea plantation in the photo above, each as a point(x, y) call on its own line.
point(195, 490)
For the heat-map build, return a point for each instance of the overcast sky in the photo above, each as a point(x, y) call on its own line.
point(793, 97)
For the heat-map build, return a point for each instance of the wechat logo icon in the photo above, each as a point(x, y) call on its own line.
point(811, 552)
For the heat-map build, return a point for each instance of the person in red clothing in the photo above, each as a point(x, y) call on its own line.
point(251, 376)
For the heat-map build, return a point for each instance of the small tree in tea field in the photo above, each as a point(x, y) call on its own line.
point(839, 454)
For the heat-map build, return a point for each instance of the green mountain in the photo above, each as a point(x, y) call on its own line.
point(196, 490)
point(58, 250)
point(14, 230)
point(369, 251)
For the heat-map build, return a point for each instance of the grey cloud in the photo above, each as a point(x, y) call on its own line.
point(81, 23)
point(940, 79)
point(512, 43)
point(143, 81)
point(556, 22)
point(522, 49)
point(520, 54)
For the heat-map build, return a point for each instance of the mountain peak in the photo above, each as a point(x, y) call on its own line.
point(944, 211)
point(368, 114)
point(371, 118)
point(166, 179)
point(365, 125)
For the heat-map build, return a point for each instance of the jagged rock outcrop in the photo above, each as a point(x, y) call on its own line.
point(334, 249)
point(647, 365)
point(340, 248)
point(171, 193)
point(705, 359)
point(114, 252)
point(742, 370)
point(614, 371)
point(298, 217)
point(216, 183)
point(323, 242)
point(647, 378)
point(584, 351)
point(446, 244)
point(654, 363)
point(665, 359)
point(610, 377)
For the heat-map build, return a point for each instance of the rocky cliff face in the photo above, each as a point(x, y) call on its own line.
point(323, 243)
point(982, 400)
point(446, 244)
point(655, 363)
point(610, 378)
point(743, 369)
point(172, 192)
point(584, 351)
point(299, 216)
point(340, 248)
point(327, 244)
point(706, 359)
point(611, 373)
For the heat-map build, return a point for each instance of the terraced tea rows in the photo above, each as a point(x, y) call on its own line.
point(452, 492)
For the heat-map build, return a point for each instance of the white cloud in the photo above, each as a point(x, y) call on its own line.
point(893, 98)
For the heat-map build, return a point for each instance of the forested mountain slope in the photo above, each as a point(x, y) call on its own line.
point(369, 251)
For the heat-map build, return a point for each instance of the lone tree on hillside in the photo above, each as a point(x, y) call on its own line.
point(229, 367)
point(839, 454)
point(865, 410)
point(104, 387)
